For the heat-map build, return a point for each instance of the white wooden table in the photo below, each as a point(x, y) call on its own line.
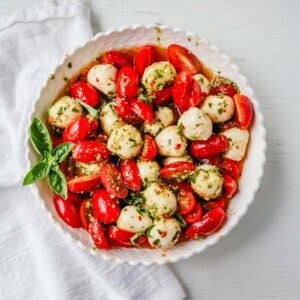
point(260, 259)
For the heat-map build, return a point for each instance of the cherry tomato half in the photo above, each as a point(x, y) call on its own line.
point(183, 59)
point(79, 129)
point(195, 215)
point(144, 58)
point(113, 181)
point(162, 96)
point(85, 92)
point(178, 170)
point(116, 58)
point(216, 144)
point(244, 110)
point(223, 86)
point(68, 211)
point(90, 151)
point(229, 186)
point(143, 110)
point(127, 84)
point(97, 233)
point(186, 202)
point(86, 183)
point(124, 110)
point(106, 208)
point(150, 148)
point(131, 174)
point(210, 222)
point(86, 213)
point(230, 166)
point(220, 202)
point(186, 91)
point(120, 237)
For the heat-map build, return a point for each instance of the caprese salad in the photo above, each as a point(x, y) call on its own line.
point(145, 148)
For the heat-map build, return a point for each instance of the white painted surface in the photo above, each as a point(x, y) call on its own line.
point(260, 258)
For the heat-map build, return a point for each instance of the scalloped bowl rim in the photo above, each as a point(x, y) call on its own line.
point(185, 250)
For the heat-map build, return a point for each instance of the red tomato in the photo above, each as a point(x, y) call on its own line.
point(150, 149)
point(244, 110)
point(220, 202)
point(195, 215)
point(124, 110)
point(186, 202)
point(229, 186)
point(131, 174)
point(127, 84)
point(216, 144)
point(85, 92)
point(90, 151)
point(179, 170)
point(106, 208)
point(116, 58)
point(183, 59)
point(113, 181)
point(144, 58)
point(79, 129)
point(96, 231)
point(162, 96)
point(82, 184)
point(74, 198)
point(120, 237)
point(223, 86)
point(186, 91)
point(86, 213)
point(68, 211)
point(230, 166)
point(178, 186)
point(142, 110)
point(56, 140)
point(210, 222)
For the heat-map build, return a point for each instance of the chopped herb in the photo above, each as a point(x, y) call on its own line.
point(69, 65)
point(52, 76)
point(210, 104)
point(146, 98)
point(180, 219)
point(66, 79)
point(156, 242)
point(180, 129)
point(148, 231)
point(75, 109)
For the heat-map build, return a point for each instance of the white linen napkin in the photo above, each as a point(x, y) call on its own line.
point(36, 261)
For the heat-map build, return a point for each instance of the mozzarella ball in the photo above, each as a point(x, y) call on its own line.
point(238, 140)
point(195, 124)
point(203, 82)
point(170, 142)
point(153, 128)
point(133, 220)
point(109, 119)
point(165, 115)
point(125, 141)
point(208, 182)
point(159, 200)
point(149, 171)
point(103, 77)
point(184, 157)
point(219, 108)
point(158, 75)
point(64, 111)
point(88, 169)
point(165, 233)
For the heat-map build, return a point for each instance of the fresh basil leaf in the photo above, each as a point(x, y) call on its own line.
point(58, 182)
point(61, 152)
point(38, 171)
point(91, 110)
point(40, 137)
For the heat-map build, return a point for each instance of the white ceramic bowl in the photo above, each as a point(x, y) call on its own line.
point(211, 57)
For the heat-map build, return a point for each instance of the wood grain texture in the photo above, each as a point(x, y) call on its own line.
point(260, 258)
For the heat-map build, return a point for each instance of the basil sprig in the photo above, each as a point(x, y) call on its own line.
point(48, 165)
